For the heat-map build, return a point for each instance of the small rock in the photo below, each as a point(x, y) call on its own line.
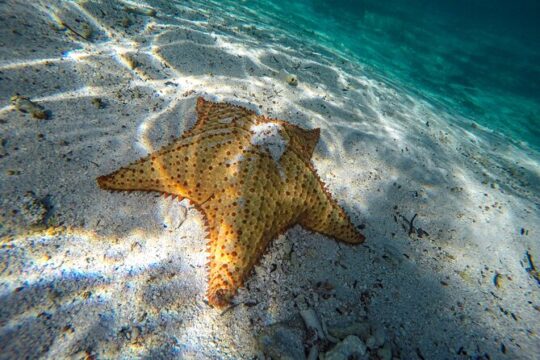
point(288, 78)
point(498, 280)
point(360, 329)
point(130, 62)
point(98, 103)
point(301, 302)
point(370, 342)
point(385, 353)
point(313, 324)
point(291, 80)
point(282, 342)
point(379, 336)
point(352, 346)
point(140, 11)
point(25, 105)
point(174, 214)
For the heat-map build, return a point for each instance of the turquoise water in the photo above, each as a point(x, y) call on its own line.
point(479, 60)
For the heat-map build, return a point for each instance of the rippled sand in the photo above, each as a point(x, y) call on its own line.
point(87, 272)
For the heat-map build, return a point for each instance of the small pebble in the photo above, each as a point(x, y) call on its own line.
point(140, 11)
point(98, 103)
point(379, 336)
point(281, 342)
point(370, 342)
point(360, 329)
point(351, 347)
point(25, 105)
point(292, 80)
point(385, 353)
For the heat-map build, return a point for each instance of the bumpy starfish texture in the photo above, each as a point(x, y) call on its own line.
point(252, 178)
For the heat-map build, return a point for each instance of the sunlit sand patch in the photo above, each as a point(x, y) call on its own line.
point(92, 273)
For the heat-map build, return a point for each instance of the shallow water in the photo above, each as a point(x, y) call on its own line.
point(427, 140)
point(477, 59)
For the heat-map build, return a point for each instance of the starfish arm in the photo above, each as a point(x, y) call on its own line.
point(325, 216)
point(240, 229)
point(146, 174)
point(189, 167)
point(302, 141)
point(212, 115)
point(231, 260)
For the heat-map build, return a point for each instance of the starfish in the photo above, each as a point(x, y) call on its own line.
point(251, 177)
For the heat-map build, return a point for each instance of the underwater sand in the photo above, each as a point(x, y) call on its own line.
point(85, 272)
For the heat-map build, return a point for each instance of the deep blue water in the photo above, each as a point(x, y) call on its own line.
point(478, 59)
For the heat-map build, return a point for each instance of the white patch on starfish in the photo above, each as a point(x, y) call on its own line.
point(237, 159)
point(241, 201)
point(268, 136)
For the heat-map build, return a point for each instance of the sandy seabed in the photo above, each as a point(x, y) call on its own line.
point(450, 210)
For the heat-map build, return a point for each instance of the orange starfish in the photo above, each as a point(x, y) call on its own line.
point(252, 178)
